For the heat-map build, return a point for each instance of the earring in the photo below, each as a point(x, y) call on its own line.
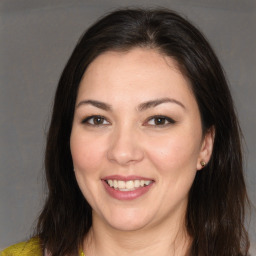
point(203, 163)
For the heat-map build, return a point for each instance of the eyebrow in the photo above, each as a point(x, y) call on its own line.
point(95, 103)
point(153, 103)
point(142, 107)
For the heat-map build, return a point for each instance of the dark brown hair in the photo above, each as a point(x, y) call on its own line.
point(215, 213)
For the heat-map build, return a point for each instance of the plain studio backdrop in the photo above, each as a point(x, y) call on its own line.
point(37, 38)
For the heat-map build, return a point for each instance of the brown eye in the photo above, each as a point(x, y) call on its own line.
point(160, 121)
point(98, 120)
point(95, 121)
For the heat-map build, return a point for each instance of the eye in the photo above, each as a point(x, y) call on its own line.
point(160, 121)
point(95, 120)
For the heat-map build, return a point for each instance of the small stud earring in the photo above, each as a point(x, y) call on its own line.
point(203, 163)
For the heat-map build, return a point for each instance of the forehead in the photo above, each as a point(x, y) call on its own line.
point(137, 72)
point(129, 60)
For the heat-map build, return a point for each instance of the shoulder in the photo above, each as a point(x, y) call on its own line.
point(31, 247)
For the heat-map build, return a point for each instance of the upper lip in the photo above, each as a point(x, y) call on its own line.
point(125, 178)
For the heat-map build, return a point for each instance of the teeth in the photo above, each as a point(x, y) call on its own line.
point(128, 185)
point(136, 183)
point(110, 183)
point(121, 184)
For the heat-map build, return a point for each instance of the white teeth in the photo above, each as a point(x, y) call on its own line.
point(136, 183)
point(128, 185)
point(115, 183)
point(121, 184)
point(110, 183)
point(147, 182)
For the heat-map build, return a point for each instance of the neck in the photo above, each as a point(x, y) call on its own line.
point(171, 240)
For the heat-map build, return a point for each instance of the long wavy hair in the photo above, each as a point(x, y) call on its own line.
point(217, 199)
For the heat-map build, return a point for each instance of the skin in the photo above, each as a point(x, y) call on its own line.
point(128, 140)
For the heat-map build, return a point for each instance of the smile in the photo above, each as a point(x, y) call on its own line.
point(129, 185)
point(127, 188)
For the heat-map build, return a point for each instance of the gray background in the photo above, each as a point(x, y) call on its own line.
point(36, 39)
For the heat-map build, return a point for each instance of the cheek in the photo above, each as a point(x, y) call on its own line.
point(176, 153)
point(175, 160)
point(87, 152)
point(87, 157)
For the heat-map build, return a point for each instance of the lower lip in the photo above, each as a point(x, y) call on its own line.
point(126, 195)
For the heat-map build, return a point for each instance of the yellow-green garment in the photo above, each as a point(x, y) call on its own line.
point(29, 248)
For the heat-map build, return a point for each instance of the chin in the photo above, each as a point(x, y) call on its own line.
point(128, 226)
point(128, 221)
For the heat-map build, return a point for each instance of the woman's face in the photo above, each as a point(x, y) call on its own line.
point(136, 140)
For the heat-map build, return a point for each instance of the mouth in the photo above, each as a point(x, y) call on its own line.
point(127, 188)
point(129, 185)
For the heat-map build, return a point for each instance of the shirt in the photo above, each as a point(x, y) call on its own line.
point(31, 247)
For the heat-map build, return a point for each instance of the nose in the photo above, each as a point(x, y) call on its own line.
point(125, 148)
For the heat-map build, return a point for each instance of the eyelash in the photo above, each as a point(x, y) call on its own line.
point(167, 121)
point(94, 117)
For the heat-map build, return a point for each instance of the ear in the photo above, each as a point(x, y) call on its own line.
point(206, 148)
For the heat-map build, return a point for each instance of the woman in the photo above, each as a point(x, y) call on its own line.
point(143, 153)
